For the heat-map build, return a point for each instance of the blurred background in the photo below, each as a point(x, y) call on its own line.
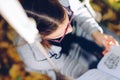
point(11, 66)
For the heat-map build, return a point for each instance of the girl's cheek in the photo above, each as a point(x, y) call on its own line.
point(69, 29)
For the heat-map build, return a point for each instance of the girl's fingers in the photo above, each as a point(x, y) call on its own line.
point(109, 43)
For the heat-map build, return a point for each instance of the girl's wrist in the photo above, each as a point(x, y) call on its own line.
point(96, 33)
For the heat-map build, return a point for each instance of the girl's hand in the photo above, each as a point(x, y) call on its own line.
point(104, 40)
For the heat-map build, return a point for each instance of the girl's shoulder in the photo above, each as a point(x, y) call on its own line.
point(64, 2)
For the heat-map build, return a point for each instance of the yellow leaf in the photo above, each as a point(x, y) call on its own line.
point(110, 15)
point(96, 7)
point(4, 44)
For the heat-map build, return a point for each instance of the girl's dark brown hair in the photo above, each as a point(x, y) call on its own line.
point(48, 14)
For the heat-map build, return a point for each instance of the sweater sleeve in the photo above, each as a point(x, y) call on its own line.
point(83, 17)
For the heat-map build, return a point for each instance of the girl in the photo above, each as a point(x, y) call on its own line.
point(74, 53)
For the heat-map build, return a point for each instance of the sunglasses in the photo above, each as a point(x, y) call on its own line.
point(70, 14)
